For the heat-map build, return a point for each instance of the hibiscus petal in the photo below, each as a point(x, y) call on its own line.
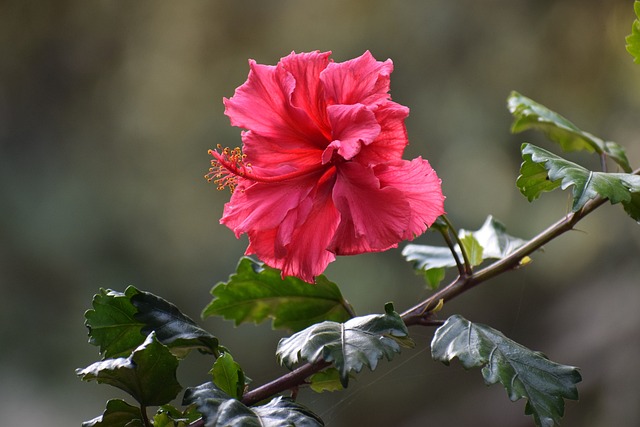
point(361, 80)
point(371, 218)
point(268, 154)
point(420, 186)
point(298, 246)
point(351, 126)
point(309, 93)
point(263, 105)
point(392, 140)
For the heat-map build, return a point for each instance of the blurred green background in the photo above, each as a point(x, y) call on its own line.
point(107, 109)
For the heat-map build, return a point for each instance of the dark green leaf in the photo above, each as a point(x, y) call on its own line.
point(172, 327)
point(617, 187)
point(256, 292)
point(112, 325)
point(351, 345)
point(117, 414)
point(221, 410)
point(228, 376)
point(492, 238)
point(633, 39)
point(523, 373)
point(528, 114)
point(149, 374)
point(327, 380)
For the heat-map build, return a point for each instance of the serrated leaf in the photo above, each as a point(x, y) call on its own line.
point(633, 39)
point(492, 237)
point(221, 410)
point(149, 374)
point(350, 346)
point(173, 328)
point(228, 376)
point(112, 324)
point(118, 413)
point(529, 114)
point(327, 380)
point(257, 292)
point(523, 373)
point(617, 187)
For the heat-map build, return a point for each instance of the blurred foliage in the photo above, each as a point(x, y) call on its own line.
point(107, 109)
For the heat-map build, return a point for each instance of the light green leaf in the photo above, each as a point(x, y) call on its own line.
point(173, 328)
point(149, 374)
point(117, 414)
point(221, 410)
point(523, 373)
point(351, 345)
point(257, 292)
point(490, 241)
point(633, 39)
point(228, 376)
point(434, 276)
point(168, 416)
point(112, 324)
point(327, 380)
point(529, 114)
point(617, 187)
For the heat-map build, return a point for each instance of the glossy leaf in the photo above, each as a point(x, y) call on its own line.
point(633, 39)
point(257, 292)
point(490, 241)
point(228, 376)
point(117, 414)
point(173, 328)
point(112, 324)
point(529, 114)
point(617, 187)
point(350, 346)
point(221, 410)
point(149, 374)
point(523, 373)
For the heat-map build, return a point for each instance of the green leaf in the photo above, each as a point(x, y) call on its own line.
point(617, 187)
point(327, 380)
point(228, 376)
point(257, 292)
point(112, 324)
point(351, 345)
point(433, 277)
point(149, 374)
point(490, 241)
point(633, 39)
point(221, 410)
point(117, 414)
point(528, 114)
point(523, 373)
point(168, 416)
point(172, 327)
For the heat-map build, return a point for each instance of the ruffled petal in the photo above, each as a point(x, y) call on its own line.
point(298, 246)
point(309, 92)
point(371, 218)
point(263, 105)
point(270, 155)
point(420, 186)
point(361, 80)
point(390, 143)
point(351, 127)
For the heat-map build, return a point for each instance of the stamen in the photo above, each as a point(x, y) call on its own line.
point(226, 166)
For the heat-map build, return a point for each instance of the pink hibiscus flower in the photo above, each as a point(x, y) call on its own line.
point(321, 172)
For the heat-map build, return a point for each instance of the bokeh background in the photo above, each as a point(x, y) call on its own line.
point(107, 109)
